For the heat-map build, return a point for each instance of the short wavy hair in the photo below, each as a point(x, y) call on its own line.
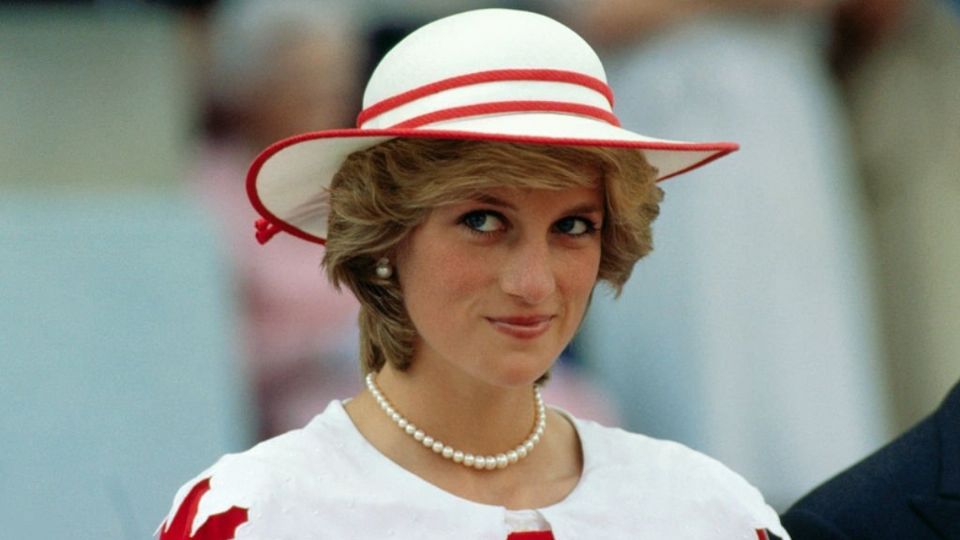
point(382, 193)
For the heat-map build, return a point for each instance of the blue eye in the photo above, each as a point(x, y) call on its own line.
point(482, 221)
point(575, 226)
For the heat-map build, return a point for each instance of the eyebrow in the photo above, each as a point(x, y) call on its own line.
point(585, 208)
point(486, 198)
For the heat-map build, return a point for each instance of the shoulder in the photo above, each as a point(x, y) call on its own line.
point(637, 455)
point(872, 495)
point(675, 478)
point(245, 487)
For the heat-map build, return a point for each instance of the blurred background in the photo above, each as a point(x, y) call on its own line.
point(800, 309)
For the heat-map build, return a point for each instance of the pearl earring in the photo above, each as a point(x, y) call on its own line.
point(384, 269)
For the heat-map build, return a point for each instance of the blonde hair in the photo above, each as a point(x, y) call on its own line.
point(382, 193)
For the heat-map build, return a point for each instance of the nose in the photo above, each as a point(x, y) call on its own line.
point(527, 273)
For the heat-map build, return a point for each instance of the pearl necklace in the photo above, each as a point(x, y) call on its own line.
point(488, 463)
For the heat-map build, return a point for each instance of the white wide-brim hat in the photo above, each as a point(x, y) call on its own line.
point(490, 74)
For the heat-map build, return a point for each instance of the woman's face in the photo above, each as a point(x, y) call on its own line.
point(497, 286)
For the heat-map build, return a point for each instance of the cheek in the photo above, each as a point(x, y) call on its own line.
point(580, 273)
point(439, 283)
point(460, 272)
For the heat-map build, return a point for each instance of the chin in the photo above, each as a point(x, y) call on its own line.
point(521, 370)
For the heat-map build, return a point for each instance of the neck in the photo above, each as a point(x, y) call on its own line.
point(470, 415)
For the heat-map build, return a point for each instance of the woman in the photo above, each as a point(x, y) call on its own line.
point(485, 192)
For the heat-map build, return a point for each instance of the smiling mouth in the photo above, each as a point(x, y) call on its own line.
point(522, 327)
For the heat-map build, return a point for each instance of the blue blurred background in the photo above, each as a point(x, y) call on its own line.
point(800, 309)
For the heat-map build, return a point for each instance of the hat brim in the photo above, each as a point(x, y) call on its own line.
point(298, 169)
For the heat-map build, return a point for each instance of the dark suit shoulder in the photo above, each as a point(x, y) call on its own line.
point(871, 498)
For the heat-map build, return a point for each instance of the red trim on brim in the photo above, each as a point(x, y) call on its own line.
point(720, 148)
point(700, 163)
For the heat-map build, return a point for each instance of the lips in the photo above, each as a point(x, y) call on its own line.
point(522, 327)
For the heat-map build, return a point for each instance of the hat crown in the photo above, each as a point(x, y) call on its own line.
point(482, 41)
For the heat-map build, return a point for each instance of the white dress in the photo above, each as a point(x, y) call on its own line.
point(326, 481)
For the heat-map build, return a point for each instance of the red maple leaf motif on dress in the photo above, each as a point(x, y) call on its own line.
point(216, 527)
point(765, 534)
point(531, 535)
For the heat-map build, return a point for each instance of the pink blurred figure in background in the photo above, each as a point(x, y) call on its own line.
point(276, 70)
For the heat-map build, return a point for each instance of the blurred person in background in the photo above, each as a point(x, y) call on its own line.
point(277, 69)
point(118, 355)
point(749, 333)
point(899, 63)
point(900, 66)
